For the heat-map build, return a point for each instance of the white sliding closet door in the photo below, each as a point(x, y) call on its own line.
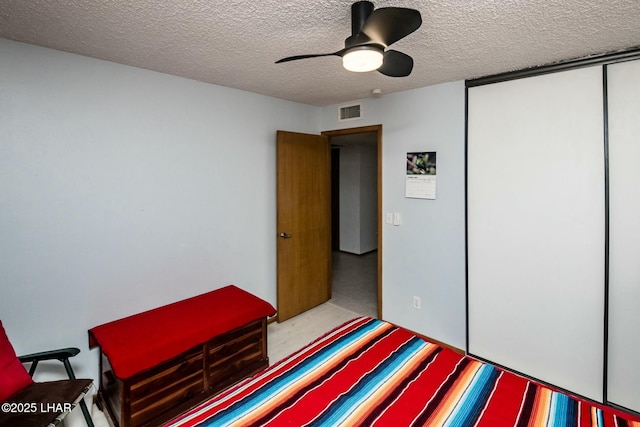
point(624, 235)
point(535, 218)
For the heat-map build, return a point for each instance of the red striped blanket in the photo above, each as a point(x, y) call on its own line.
point(368, 372)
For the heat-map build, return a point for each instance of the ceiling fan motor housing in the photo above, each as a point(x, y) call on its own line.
point(360, 11)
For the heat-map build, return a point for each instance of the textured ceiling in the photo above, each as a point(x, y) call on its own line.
point(236, 42)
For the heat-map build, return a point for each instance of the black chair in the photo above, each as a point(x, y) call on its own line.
point(48, 402)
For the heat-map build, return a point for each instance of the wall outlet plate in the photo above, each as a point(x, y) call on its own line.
point(417, 303)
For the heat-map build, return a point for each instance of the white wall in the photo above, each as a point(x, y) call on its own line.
point(358, 198)
point(368, 198)
point(123, 189)
point(425, 255)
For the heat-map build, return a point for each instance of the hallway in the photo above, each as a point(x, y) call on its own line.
point(355, 282)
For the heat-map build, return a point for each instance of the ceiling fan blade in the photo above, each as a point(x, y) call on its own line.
point(396, 64)
point(387, 25)
point(313, 55)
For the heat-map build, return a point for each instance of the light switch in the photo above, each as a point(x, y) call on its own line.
point(389, 218)
point(396, 218)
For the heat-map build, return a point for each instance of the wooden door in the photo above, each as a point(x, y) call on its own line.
point(303, 222)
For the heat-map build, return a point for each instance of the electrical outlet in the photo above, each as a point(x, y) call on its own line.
point(417, 304)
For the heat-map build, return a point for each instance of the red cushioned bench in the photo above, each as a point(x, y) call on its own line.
point(161, 362)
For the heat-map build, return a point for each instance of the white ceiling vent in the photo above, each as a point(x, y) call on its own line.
point(350, 112)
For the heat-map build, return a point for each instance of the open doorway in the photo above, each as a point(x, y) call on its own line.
point(356, 206)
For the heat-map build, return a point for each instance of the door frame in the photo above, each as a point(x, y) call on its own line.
point(378, 130)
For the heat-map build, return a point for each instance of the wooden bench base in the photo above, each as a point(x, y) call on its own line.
point(164, 391)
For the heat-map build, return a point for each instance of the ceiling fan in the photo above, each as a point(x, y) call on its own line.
point(372, 31)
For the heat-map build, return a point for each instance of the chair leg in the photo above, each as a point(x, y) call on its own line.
point(83, 405)
point(85, 412)
point(33, 367)
point(68, 368)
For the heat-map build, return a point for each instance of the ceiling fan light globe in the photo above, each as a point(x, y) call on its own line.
point(362, 59)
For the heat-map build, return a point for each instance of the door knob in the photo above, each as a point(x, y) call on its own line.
point(285, 235)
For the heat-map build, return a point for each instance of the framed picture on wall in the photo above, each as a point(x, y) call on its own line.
point(421, 175)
